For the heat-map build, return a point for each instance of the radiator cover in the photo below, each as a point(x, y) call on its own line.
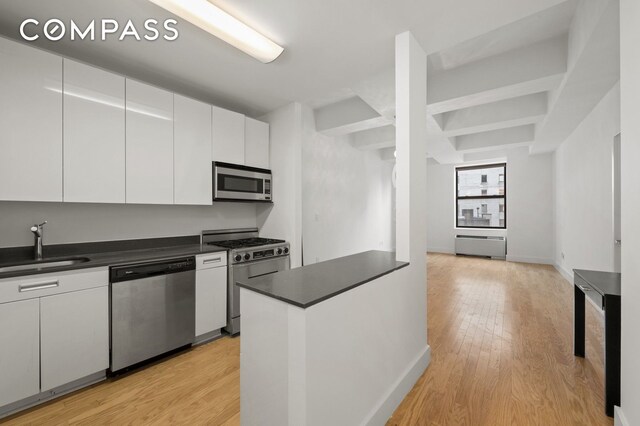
point(481, 245)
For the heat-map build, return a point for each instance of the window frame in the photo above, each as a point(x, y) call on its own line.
point(481, 197)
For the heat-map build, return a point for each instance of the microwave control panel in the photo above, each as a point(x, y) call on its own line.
point(267, 189)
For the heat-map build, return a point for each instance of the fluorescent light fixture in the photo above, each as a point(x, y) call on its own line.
point(216, 21)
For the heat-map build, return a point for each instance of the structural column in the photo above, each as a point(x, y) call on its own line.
point(411, 139)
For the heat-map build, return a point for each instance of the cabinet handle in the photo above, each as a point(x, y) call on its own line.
point(38, 286)
point(584, 288)
point(212, 260)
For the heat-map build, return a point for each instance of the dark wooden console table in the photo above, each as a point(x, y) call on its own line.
point(604, 289)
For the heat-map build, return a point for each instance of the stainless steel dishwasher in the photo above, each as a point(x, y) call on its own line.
point(152, 309)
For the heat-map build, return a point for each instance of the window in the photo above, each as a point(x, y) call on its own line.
point(481, 196)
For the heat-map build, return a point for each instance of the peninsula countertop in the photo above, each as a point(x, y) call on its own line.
point(308, 285)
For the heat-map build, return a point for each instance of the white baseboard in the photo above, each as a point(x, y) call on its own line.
point(388, 404)
point(440, 250)
point(528, 259)
point(568, 276)
point(618, 417)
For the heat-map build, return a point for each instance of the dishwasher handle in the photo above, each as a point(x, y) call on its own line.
point(137, 271)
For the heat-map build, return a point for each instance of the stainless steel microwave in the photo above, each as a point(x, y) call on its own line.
point(233, 182)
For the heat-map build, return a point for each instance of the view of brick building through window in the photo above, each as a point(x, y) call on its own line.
point(481, 196)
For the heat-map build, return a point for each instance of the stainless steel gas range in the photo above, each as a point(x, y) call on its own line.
point(249, 256)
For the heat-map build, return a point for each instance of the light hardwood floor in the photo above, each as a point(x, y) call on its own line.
point(501, 344)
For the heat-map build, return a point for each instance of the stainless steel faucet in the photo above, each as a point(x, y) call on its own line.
point(37, 240)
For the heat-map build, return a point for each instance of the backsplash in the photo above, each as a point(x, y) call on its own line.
point(75, 223)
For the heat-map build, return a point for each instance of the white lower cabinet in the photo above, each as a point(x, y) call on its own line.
point(54, 331)
point(20, 350)
point(74, 330)
point(211, 293)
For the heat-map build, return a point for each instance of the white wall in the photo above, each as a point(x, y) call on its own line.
point(630, 102)
point(529, 207)
point(347, 197)
point(71, 222)
point(283, 219)
point(441, 209)
point(584, 190)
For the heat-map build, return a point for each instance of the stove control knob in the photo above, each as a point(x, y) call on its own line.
point(237, 258)
point(279, 251)
point(286, 250)
point(247, 256)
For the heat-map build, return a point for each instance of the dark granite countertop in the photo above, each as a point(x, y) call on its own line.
point(605, 283)
point(109, 253)
point(312, 284)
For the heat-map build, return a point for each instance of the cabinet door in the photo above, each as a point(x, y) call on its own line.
point(94, 144)
point(31, 123)
point(256, 147)
point(19, 356)
point(211, 299)
point(149, 144)
point(192, 153)
point(74, 336)
point(228, 136)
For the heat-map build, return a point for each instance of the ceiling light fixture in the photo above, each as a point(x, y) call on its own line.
point(216, 21)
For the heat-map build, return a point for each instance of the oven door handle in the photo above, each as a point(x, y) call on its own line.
point(266, 273)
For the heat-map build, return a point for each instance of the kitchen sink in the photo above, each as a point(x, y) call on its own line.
point(43, 264)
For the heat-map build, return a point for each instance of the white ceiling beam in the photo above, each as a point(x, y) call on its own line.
point(381, 137)
point(594, 68)
point(513, 112)
point(379, 92)
point(495, 139)
point(440, 147)
point(347, 116)
point(515, 73)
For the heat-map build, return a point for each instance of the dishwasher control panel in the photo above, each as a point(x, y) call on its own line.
point(140, 270)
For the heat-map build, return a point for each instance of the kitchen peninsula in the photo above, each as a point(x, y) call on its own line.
point(317, 342)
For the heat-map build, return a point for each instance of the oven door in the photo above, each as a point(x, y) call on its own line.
point(242, 272)
point(239, 183)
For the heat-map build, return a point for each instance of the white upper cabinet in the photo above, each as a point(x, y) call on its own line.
point(30, 123)
point(228, 136)
point(94, 135)
point(192, 152)
point(256, 147)
point(149, 142)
